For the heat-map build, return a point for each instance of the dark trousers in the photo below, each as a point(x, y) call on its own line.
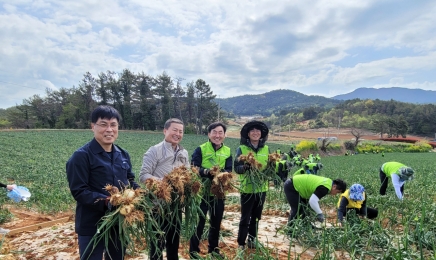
point(251, 212)
point(384, 183)
point(215, 207)
point(170, 240)
point(114, 251)
point(297, 203)
point(371, 213)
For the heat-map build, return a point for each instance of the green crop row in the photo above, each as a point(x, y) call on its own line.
point(404, 229)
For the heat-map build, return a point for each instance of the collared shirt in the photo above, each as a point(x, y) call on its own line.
point(89, 170)
point(161, 159)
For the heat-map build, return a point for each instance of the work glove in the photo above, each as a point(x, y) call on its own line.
point(320, 217)
point(206, 173)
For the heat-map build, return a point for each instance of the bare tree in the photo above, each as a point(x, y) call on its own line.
point(325, 142)
point(357, 133)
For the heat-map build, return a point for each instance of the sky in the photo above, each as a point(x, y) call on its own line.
point(238, 47)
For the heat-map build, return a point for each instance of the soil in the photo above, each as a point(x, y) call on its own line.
point(59, 241)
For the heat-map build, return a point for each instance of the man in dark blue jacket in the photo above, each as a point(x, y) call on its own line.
point(90, 168)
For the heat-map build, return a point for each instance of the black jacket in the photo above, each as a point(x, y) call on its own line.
point(89, 169)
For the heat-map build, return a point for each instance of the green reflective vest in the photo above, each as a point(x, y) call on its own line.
point(306, 184)
point(210, 157)
point(391, 167)
point(262, 157)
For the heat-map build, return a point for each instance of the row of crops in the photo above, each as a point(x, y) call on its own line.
point(404, 229)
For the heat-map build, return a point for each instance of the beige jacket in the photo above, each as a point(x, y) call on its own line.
point(161, 159)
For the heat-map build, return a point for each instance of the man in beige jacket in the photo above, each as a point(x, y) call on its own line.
point(158, 161)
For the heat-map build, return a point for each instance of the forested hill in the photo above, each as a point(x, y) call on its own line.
point(273, 102)
point(417, 96)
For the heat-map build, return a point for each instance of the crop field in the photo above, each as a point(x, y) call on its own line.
point(403, 230)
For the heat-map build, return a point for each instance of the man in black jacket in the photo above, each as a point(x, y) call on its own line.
point(90, 168)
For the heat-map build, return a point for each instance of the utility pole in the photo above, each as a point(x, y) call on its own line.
point(218, 108)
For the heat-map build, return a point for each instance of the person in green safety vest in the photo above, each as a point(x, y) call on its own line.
point(282, 171)
point(254, 134)
point(313, 168)
point(305, 189)
point(354, 199)
point(317, 157)
point(399, 175)
point(311, 158)
point(207, 155)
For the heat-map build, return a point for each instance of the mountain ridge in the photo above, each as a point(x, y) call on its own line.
point(277, 101)
point(417, 96)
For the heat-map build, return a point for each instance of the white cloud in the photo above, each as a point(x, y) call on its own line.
point(237, 47)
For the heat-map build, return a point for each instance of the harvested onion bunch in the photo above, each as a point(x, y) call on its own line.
point(177, 191)
point(257, 175)
point(221, 183)
point(128, 214)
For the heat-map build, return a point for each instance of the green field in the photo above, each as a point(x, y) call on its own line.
point(403, 230)
point(36, 159)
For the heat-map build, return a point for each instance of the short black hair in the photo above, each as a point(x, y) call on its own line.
point(215, 125)
point(172, 120)
point(105, 112)
point(340, 185)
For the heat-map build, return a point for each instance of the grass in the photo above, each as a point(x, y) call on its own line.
point(404, 229)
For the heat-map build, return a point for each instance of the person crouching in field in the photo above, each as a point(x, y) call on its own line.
point(313, 168)
point(93, 166)
point(398, 173)
point(305, 189)
point(253, 137)
point(354, 199)
point(210, 154)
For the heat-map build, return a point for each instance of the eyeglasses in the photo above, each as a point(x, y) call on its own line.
point(105, 125)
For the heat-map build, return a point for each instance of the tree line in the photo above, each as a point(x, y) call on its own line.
point(144, 102)
point(391, 118)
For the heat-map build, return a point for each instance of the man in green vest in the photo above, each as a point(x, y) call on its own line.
point(253, 137)
point(398, 173)
point(309, 189)
point(313, 168)
point(207, 155)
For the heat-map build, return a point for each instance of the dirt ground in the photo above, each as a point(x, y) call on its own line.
point(29, 239)
point(37, 236)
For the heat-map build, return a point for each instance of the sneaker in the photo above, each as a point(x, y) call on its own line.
point(4, 231)
point(241, 248)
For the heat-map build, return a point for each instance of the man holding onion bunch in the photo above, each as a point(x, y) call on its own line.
point(207, 155)
point(158, 161)
point(90, 168)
